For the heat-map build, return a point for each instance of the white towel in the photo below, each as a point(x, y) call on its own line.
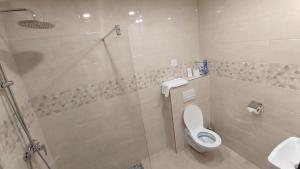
point(166, 86)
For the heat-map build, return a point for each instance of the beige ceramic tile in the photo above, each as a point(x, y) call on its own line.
point(156, 117)
point(108, 130)
point(223, 158)
point(252, 31)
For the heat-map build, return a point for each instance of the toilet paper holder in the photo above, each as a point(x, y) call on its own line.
point(255, 107)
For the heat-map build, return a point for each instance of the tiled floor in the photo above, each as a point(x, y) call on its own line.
point(223, 158)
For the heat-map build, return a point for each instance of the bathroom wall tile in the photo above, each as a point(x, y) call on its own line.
point(155, 117)
point(162, 37)
point(279, 22)
point(245, 31)
point(284, 51)
point(253, 54)
point(252, 51)
point(259, 133)
point(89, 60)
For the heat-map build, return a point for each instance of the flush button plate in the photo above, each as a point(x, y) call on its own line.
point(188, 95)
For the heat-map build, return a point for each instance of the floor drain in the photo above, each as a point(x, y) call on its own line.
point(137, 166)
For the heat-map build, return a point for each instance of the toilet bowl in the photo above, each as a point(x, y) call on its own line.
point(197, 136)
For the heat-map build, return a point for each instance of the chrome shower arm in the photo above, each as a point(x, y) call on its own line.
point(19, 10)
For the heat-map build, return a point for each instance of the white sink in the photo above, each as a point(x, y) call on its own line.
point(286, 155)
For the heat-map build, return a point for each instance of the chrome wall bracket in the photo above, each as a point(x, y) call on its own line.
point(32, 148)
point(255, 107)
point(6, 84)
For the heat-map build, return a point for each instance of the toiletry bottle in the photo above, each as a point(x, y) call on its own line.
point(196, 71)
point(189, 72)
point(205, 67)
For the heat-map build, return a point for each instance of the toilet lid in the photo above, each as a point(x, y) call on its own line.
point(192, 116)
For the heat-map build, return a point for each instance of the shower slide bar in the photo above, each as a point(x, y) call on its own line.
point(33, 146)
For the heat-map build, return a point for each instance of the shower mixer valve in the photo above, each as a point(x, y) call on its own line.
point(32, 148)
point(6, 84)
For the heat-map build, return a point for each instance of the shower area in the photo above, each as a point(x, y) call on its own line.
point(82, 89)
point(83, 73)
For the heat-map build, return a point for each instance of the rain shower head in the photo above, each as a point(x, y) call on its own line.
point(33, 24)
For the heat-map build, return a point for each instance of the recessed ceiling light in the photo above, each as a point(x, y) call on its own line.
point(86, 15)
point(131, 13)
point(218, 11)
point(139, 20)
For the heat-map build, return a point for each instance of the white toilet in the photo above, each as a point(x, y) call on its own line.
point(197, 136)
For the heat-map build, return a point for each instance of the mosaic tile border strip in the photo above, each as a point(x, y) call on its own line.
point(274, 74)
point(281, 75)
point(47, 105)
point(137, 166)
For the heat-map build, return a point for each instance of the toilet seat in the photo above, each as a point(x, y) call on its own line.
point(205, 142)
